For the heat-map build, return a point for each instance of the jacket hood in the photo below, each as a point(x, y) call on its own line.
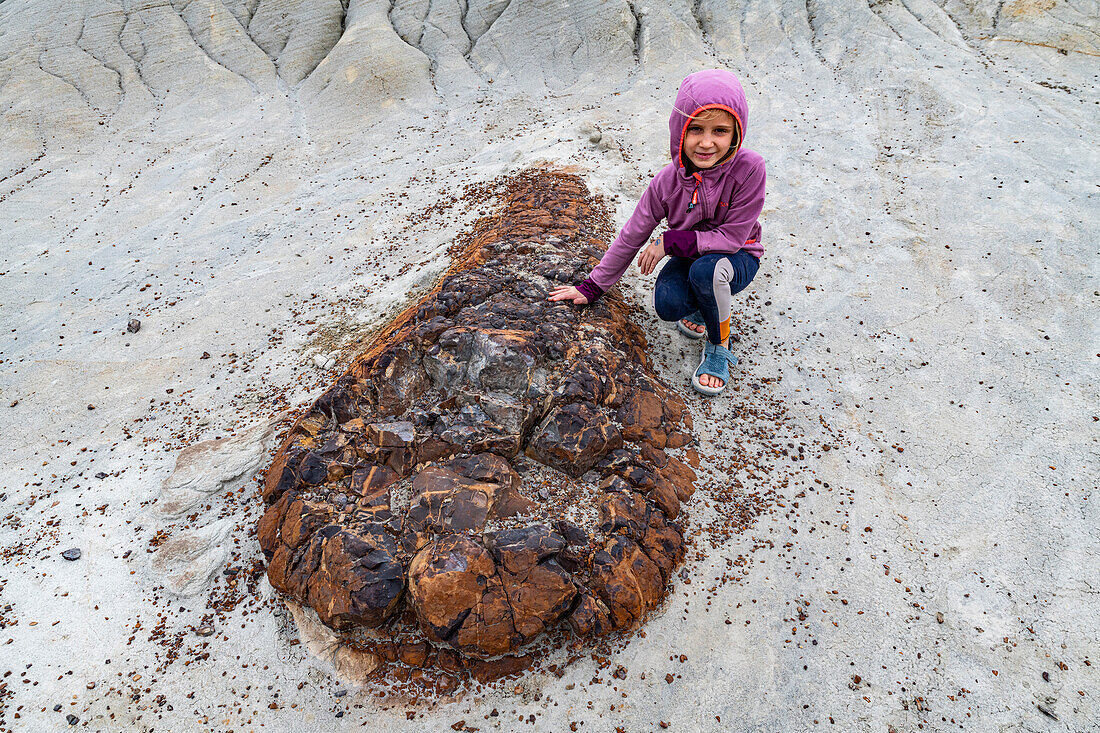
point(709, 89)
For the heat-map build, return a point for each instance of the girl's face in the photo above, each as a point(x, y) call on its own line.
point(708, 138)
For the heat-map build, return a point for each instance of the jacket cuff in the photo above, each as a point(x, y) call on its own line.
point(590, 290)
point(681, 243)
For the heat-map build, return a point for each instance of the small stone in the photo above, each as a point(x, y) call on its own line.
point(339, 713)
point(446, 684)
point(14, 403)
point(73, 553)
point(1045, 710)
point(90, 685)
point(101, 475)
point(341, 693)
point(57, 708)
point(72, 719)
point(939, 617)
point(205, 355)
point(205, 630)
point(133, 326)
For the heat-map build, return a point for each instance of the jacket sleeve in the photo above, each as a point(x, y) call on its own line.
point(636, 232)
point(681, 243)
point(745, 206)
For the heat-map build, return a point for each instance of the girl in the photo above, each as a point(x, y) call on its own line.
point(712, 194)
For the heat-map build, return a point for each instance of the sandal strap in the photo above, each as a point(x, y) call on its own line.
point(716, 362)
point(720, 350)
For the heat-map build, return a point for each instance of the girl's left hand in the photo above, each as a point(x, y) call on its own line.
point(652, 254)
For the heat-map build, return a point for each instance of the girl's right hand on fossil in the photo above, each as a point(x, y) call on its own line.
point(567, 292)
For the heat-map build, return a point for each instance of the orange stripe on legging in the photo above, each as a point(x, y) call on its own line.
point(724, 330)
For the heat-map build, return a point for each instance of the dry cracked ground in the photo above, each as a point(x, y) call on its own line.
point(210, 208)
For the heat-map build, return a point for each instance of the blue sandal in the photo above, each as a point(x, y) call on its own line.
point(716, 362)
point(697, 319)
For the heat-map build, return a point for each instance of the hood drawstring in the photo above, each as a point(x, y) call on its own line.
point(695, 193)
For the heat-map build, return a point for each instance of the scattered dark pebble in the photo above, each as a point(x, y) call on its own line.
point(57, 708)
point(133, 326)
point(205, 630)
point(205, 355)
point(14, 403)
point(73, 553)
point(72, 719)
point(1046, 676)
point(91, 407)
point(341, 693)
point(101, 475)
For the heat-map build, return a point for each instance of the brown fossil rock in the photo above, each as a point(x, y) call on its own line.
point(492, 464)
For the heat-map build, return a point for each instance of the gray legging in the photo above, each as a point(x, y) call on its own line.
point(707, 285)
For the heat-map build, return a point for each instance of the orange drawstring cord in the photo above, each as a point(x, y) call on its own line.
point(695, 193)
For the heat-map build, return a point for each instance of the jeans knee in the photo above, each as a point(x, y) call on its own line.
point(701, 275)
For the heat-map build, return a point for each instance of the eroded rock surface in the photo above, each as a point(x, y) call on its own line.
point(494, 464)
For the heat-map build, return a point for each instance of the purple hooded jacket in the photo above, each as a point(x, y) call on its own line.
point(729, 195)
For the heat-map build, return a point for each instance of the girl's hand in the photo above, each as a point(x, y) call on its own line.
point(568, 292)
point(652, 254)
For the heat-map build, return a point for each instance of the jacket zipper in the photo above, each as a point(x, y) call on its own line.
point(695, 193)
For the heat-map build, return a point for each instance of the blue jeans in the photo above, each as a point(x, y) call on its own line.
point(707, 285)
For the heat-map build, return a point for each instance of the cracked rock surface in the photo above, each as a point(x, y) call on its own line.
point(493, 464)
